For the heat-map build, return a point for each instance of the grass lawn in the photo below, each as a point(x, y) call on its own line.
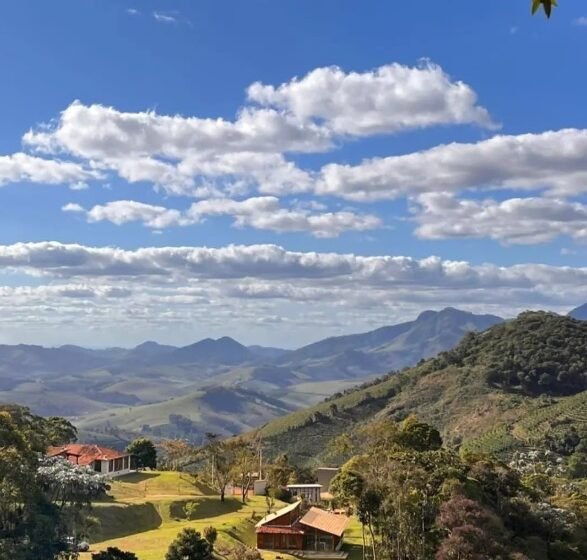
point(145, 513)
point(149, 485)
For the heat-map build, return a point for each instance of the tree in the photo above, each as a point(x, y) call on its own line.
point(278, 472)
point(113, 553)
point(419, 436)
point(245, 457)
point(178, 454)
point(60, 431)
point(220, 464)
point(189, 545)
point(144, 453)
point(210, 534)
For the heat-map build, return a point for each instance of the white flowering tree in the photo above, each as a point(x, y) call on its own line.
point(72, 489)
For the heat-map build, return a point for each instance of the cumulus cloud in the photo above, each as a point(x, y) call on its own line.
point(515, 221)
point(20, 167)
point(104, 133)
point(554, 160)
point(388, 99)
point(183, 154)
point(262, 213)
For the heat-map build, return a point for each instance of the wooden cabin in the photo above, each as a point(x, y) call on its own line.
point(289, 530)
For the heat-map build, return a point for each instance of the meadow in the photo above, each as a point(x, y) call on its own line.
point(144, 513)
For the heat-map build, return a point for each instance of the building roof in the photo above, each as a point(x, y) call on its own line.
point(331, 523)
point(304, 485)
point(86, 453)
point(279, 513)
point(272, 530)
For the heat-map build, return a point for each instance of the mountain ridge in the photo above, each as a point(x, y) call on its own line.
point(507, 387)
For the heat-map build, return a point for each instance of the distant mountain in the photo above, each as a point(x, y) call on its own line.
point(515, 386)
point(268, 352)
point(579, 312)
point(384, 349)
point(224, 350)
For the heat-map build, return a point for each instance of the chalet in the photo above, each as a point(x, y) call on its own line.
point(309, 492)
point(288, 530)
point(101, 459)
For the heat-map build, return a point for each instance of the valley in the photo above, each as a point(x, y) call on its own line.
point(162, 391)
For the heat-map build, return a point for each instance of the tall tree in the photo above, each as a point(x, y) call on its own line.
point(144, 452)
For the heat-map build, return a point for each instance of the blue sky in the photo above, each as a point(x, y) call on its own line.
point(390, 158)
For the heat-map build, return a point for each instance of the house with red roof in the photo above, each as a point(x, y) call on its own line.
point(101, 459)
point(303, 534)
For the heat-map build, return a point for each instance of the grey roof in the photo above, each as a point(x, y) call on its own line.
point(278, 513)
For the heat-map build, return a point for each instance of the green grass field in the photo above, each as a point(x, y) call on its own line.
point(145, 512)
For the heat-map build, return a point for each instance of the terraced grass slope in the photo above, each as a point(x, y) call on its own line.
point(496, 391)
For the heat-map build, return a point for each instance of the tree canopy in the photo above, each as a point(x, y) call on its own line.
point(416, 501)
point(144, 452)
point(189, 545)
point(537, 353)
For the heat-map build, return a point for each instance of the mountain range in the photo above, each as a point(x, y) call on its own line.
point(213, 385)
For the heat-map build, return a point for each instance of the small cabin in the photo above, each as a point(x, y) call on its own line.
point(287, 530)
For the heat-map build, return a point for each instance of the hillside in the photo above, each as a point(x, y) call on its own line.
point(506, 387)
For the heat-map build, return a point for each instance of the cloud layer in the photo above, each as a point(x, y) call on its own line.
point(202, 290)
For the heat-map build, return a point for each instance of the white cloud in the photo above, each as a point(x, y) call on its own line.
point(582, 21)
point(388, 99)
point(104, 133)
point(133, 12)
point(554, 160)
point(515, 221)
point(123, 211)
point(262, 213)
point(20, 167)
point(73, 207)
point(186, 154)
point(265, 213)
point(271, 262)
point(106, 295)
point(164, 17)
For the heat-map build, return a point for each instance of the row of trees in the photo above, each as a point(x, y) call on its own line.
point(417, 500)
point(236, 462)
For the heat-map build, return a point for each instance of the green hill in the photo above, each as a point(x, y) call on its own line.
point(499, 390)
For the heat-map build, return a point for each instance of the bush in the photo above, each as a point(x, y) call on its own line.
point(189, 545)
point(210, 534)
point(113, 553)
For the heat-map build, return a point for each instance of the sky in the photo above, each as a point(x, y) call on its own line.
point(282, 171)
